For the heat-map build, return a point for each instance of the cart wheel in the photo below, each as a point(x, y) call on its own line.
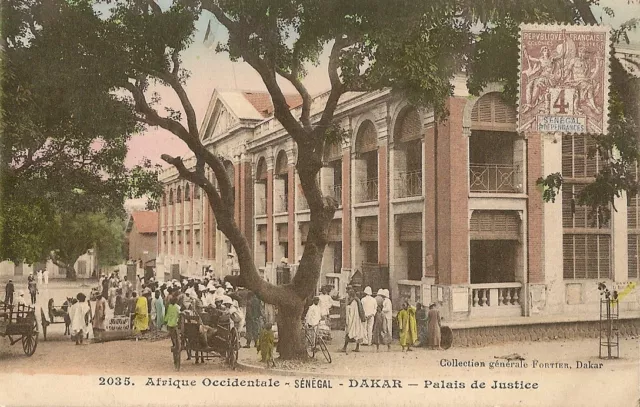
point(446, 335)
point(30, 340)
point(311, 351)
point(323, 348)
point(232, 352)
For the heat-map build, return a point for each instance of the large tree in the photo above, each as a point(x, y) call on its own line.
point(414, 47)
point(63, 143)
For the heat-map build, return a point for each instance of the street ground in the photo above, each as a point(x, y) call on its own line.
point(560, 381)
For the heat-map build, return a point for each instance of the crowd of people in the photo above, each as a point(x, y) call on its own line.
point(369, 320)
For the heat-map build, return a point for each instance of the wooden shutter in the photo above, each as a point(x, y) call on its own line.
point(282, 167)
point(494, 225)
point(283, 233)
point(335, 231)
point(633, 256)
point(369, 229)
point(410, 227)
point(492, 113)
point(366, 139)
point(409, 126)
point(261, 171)
point(262, 233)
point(304, 231)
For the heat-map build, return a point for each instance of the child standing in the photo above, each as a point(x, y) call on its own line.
point(381, 334)
point(266, 342)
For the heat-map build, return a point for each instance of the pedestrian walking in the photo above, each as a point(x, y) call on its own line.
point(370, 305)
point(141, 319)
point(9, 289)
point(253, 319)
point(120, 306)
point(381, 334)
point(382, 298)
point(265, 345)
point(433, 329)
point(80, 316)
point(159, 310)
point(354, 327)
point(45, 274)
point(421, 321)
point(39, 274)
point(407, 325)
point(100, 317)
point(33, 288)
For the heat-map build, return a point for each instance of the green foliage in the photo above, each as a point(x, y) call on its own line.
point(64, 129)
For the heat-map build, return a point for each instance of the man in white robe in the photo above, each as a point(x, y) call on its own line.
point(354, 327)
point(370, 306)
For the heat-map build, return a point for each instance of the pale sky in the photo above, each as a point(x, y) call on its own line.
point(210, 70)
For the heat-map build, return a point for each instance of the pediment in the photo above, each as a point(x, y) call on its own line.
point(219, 119)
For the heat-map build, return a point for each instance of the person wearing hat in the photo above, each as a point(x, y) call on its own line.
point(231, 309)
point(370, 305)
point(387, 310)
point(9, 289)
point(313, 317)
point(21, 299)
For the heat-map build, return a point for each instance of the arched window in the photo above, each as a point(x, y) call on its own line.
point(281, 164)
point(171, 196)
point(187, 193)
point(492, 113)
point(179, 194)
point(407, 126)
point(164, 199)
point(366, 140)
point(196, 192)
point(261, 170)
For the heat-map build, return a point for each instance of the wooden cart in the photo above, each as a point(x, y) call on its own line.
point(18, 323)
point(225, 343)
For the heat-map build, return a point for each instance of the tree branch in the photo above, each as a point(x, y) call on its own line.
point(302, 90)
point(337, 87)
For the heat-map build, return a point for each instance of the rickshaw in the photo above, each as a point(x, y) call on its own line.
point(224, 343)
point(19, 321)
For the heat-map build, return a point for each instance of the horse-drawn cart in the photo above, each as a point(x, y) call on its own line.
point(19, 321)
point(205, 336)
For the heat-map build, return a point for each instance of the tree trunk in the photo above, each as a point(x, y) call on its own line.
point(291, 339)
point(71, 273)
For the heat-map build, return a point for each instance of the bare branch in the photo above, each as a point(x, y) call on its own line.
point(337, 87)
point(155, 8)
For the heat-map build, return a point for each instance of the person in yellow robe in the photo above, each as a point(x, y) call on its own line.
point(265, 345)
point(407, 325)
point(141, 319)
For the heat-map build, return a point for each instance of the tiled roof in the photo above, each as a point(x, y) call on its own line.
point(145, 221)
point(262, 101)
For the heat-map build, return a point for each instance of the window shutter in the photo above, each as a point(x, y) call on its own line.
point(494, 225)
point(283, 233)
point(335, 231)
point(491, 113)
point(369, 229)
point(262, 233)
point(409, 126)
point(367, 139)
point(410, 228)
point(304, 231)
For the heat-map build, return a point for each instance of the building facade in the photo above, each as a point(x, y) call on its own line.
point(142, 237)
point(446, 213)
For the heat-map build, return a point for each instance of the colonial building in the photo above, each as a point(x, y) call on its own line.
point(142, 237)
point(448, 213)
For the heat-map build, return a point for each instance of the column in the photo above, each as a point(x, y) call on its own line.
point(346, 209)
point(291, 194)
point(383, 205)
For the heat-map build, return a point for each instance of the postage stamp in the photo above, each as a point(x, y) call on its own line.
point(564, 79)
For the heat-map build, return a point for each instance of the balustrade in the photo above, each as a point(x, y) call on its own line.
point(494, 178)
point(496, 295)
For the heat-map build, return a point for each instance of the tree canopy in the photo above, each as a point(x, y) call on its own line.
point(64, 130)
point(414, 47)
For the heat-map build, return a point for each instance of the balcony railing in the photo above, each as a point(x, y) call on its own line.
point(337, 193)
point(409, 184)
point(498, 295)
point(261, 206)
point(282, 203)
point(369, 190)
point(494, 178)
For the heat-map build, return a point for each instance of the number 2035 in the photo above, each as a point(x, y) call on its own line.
point(115, 381)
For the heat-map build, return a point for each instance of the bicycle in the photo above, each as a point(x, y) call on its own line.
point(315, 342)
